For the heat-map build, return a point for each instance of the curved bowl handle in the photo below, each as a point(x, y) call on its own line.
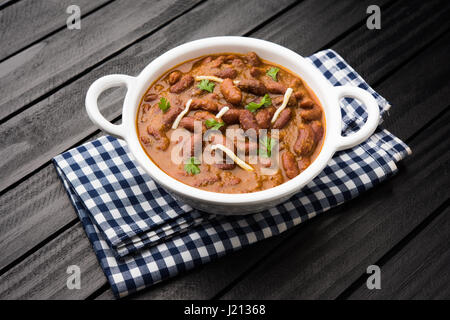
point(373, 118)
point(94, 91)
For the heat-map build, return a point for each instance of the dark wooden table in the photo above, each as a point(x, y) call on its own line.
point(403, 225)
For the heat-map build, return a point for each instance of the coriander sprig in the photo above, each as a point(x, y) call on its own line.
point(206, 85)
point(266, 147)
point(191, 166)
point(164, 104)
point(272, 72)
point(265, 101)
point(213, 124)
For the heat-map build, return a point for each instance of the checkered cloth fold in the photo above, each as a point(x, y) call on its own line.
point(142, 236)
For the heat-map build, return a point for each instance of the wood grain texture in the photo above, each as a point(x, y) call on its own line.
point(421, 270)
point(31, 139)
point(328, 255)
point(27, 21)
point(50, 263)
point(68, 53)
point(405, 31)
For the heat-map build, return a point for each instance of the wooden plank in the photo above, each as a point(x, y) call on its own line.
point(72, 52)
point(417, 21)
point(27, 21)
point(223, 261)
point(47, 202)
point(52, 262)
point(34, 133)
point(328, 255)
point(420, 270)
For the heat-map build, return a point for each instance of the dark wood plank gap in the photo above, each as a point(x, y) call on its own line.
point(76, 52)
point(358, 288)
point(355, 27)
point(6, 3)
point(67, 249)
point(29, 21)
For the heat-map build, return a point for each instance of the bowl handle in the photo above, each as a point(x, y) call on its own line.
point(94, 91)
point(373, 118)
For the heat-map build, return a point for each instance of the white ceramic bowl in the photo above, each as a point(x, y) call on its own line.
point(230, 204)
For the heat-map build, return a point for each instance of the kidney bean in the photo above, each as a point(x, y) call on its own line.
point(255, 72)
point(253, 86)
point(217, 62)
point(206, 181)
point(150, 97)
point(189, 124)
point(312, 114)
point(277, 101)
point(263, 118)
point(229, 180)
point(204, 115)
point(303, 163)
point(305, 142)
point(158, 135)
point(283, 119)
point(275, 87)
point(226, 166)
point(226, 73)
point(204, 104)
point(185, 82)
point(237, 63)
point(253, 59)
point(247, 120)
point(306, 103)
point(298, 95)
point(289, 164)
point(170, 116)
point(145, 140)
point(317, 128)
point(230, 58)
point(295, 83)
point(231, 116)
point(207, 60)
point(232, 94)
point(174, 77)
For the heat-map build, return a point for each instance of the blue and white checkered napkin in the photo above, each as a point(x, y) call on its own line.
point(141, 235)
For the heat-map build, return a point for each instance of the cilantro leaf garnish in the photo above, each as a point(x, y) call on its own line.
point(164, 104)
point(266, 145)
point(206, 85)
point(272, 72)
point(213, 124)
point(265, 101)
point(191, 166)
